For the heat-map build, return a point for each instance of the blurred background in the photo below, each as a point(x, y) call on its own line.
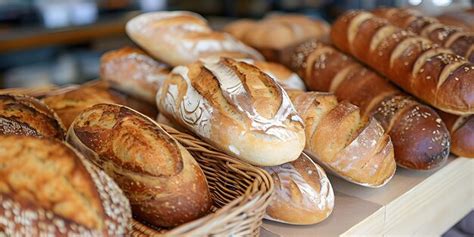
point(60, 41)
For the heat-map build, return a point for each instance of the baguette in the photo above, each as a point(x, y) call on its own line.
point(420, 139)
point(456, 39)
point(303, 193)
point(180, 37)
point(133, 72)
point(165, 185)
point(24, 115)
point(462, 133)
point(433, 74)
point(235, 107)
point(48, 189)
point(354, 148)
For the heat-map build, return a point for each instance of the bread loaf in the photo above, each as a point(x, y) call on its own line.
point(48, 189)
point(134, 72)
point(433, 74)
point(354, 148)
point(462, 133)
point(24, 115)
point(165, 185)
point(71, 101)
point(180, 38)
point(303, 193)
point(456, 39)
point(420, 138)
point(235, 107)
point(282, 75)
point(463, 19)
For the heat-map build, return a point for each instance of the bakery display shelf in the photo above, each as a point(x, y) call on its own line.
point(413, 203)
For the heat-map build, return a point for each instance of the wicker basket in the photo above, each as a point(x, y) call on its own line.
point(241, 193)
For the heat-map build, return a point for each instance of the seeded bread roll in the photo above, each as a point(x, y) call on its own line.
point(24, 115)
point(236, 107)
point(303, 193)
point(427, 71)
point(352, 147)
point(180, 37)
point(421, 140)
point(165, 185)
point(49, 189)
point(462, 133)
point(133, 72)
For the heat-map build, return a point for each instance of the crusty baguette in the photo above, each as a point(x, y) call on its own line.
point(180, 37)
point(71, 101)
point(352, 147)
point(462, 133)
point(459, 41)
point(24, 115)
point(420, 139)
point(165, 185)
point(134, 72)
point(431, 73)
point(303, 193)
point(49, 189)
point(235, 107)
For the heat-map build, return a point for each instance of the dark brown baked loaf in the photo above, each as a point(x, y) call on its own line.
point(461, 18)
point(420, 139)
point(49, 189)
point(24, 115)
point(462, 133)
point(165, 185)
point(458, 40)
point(431, 73)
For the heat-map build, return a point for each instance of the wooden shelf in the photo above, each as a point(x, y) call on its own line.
point(413, 203)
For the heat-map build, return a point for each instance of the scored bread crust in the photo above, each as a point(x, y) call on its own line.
point(303, 193)
point(340, 140)
point(25, 115)
point(236, 107)
point(165, 185)
point(50, 189)
point(180, 38)
point(134, 72)
point(431, 73)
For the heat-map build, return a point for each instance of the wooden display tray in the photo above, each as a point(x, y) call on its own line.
point(412, 203)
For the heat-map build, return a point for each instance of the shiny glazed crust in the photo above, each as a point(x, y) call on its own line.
point(462, 133)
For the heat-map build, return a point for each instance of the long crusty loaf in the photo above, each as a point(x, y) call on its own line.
point(236, 107)
point(431, 73)
point(303, 193)
point(165, 185)
point(134, 72)
point(354, 148)
point(49, 189)
point(24, 115)
point(458, 40)
point(420, 138)
point(462, 133)
point(180, 37)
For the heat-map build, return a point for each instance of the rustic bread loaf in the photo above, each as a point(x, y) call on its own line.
point(462, 133)
point(49, 189)
point(235, 107)
point(180, 38)
point(165, 185)
point(24, 115)
point(133, 72)
point(431, 73)
point(303, 193)
point(420, 138)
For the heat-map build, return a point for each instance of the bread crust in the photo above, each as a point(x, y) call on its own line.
point(462, 133)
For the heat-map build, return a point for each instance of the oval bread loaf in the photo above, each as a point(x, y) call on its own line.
point(165, 185)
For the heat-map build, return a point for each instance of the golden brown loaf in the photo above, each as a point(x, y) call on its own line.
point(180, 38)
point(303, 193)
point(71, 101)
point(48, 189)
point(420, 138)
point(236, 107)
point(431, 73)
point(462, 133)
point(458, 40)
point(165, 185)
point(354, 148)
point(134, 72)
point(24, 115)
point(282, 75)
